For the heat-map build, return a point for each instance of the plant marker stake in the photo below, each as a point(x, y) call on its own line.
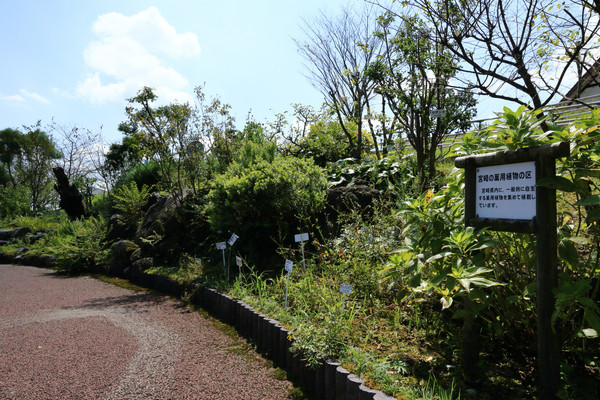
point(302, 237)
point(222, 246)
point(345, 289)
point(239, 262)
point(230, 242)
point(232, 239)
point(289, 266)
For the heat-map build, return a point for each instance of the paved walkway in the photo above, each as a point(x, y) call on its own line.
point(79, 338)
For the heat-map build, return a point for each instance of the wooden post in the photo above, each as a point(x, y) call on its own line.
point(547, 265)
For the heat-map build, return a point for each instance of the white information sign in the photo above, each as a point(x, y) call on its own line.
point(505, 191)
point(289, 266)
point(345, 288)
point(301, 237)
point(221, 246)
point(232, 239)
point(438, 113)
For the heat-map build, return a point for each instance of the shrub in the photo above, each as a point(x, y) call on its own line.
point(392, 175)
point(13, 202)
point(267, 202)
point(102, 205)
point(147, 173)
point(77, 245)
point(130, 201)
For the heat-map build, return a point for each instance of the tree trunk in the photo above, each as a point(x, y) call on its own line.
point(70, 199)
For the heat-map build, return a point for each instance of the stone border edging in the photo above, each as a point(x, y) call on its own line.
point(328, 381)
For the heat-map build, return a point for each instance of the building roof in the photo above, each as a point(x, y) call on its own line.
point(589, 79)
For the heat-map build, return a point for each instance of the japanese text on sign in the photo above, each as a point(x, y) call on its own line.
point(301, 237)
point(345, 288)
point(506, 191)
point(289, 265)
point(232, 239)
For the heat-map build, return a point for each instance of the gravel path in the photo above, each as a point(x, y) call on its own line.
point(79, 338)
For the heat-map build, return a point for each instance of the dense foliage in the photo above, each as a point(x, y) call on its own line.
point(266, 202)
point(435, 306)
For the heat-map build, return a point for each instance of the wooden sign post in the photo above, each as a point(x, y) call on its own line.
point(501, 193)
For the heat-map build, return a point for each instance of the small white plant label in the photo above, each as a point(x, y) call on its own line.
point(232, 239)
point(221, 246)
point(301, 237)
point(238, 261)
point(289, 266)
point(438, 113)
point(346, 289)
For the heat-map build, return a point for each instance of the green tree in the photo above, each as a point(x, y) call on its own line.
point(163, 135)
point(10, 150)
point(34, 167)
point(316, 135)
point(415, 75)
point(120, 158)
point(178, 137)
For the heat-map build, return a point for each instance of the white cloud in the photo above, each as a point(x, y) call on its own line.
point(34, 96)
point(23, 96)
point(133, 52)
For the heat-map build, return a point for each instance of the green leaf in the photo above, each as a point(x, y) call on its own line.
point(593, 215)
point(592, 318)
point(485, 245)
point(458, 314)
point(590, 200)
point(438, 256)
point(568, 252)
point(558, 183)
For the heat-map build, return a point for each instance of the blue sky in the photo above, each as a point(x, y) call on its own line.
point(77, 61)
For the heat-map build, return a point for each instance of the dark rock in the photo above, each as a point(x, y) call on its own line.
point(6, 258)
point(143, 264)
point(154, 197)
point(45, 261)
point(136, 255)
point(31, 238)
point(120, 255)
point(117, 229)
point(5, 235)
point(347, 198)
point(166, 230)
point(20, 232)
point(4, 242)
point(30, 260)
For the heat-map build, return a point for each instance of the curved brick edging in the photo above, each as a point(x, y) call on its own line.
point(328, 381)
